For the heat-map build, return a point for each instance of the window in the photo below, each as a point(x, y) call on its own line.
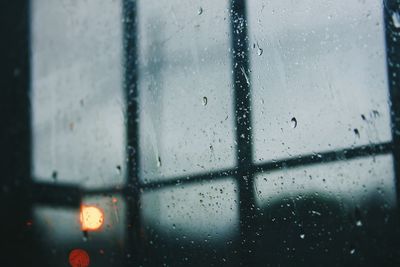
point(216, 132)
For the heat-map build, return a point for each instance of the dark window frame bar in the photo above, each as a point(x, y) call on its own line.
point(134, 246)
point(243, 125)
point(392, 7)
point(15, 136)
point(327, 157)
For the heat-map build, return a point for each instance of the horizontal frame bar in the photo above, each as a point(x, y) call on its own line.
point(59, 194)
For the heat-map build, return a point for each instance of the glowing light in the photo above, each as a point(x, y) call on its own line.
point(91, 218)
point(79, 258)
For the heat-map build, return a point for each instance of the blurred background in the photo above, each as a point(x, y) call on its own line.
point(200, 133)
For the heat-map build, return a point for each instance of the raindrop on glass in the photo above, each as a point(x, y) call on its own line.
point(118, 168)
point(375, 113)
point(205, 101)
point(260, 51)
point(294, 122)
point(302, 236)
point(245, 75)
point(396, 19)
point(356, 132)
point(158, 161)
point(357, 215)
point(85, 236)
point(200, 11)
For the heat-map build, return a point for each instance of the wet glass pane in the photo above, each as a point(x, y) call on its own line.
point(318, 74)
point(186, 108)
point(264, 133)
point(77, 102)
point(346, 181)
point(329, 213)
point(186, 222)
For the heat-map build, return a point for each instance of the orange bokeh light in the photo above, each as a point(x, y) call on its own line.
point(79, 258)
point(91, 218)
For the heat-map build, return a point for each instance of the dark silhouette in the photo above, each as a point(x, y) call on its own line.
point(306, 230)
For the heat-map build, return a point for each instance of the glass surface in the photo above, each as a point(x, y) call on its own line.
point(318, 76)
point(58, 231)
point(350, 181)
point(188, 224)
point(77, 104)
point(201, 211)
point(318, 82)
point(330, 214)
point(186, 108)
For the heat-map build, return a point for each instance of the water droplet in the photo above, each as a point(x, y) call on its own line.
point(118, 168)
point(363, 117)
point(356, 132)
point(85, 236)
point(158, 161)
point(205, 101)
point(375, 113)
point(316, 213)
point(294, 122)
point(302, 236)
point(396, 19)
point(200, 11)
point(352, 251)
point(259, 49)
point(245, 75)
point(357, 215)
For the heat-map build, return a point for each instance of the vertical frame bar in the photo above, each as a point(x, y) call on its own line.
point(15, 136)
point(392, 27)
point(133, 234)
point(242, 104)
